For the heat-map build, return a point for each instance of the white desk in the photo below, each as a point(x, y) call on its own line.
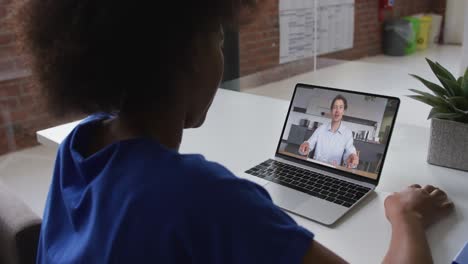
point(363, 77)
point(242, 130)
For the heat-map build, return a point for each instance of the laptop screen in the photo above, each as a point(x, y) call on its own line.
point(343, 130)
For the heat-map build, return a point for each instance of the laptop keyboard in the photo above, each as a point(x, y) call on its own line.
point(318, 185)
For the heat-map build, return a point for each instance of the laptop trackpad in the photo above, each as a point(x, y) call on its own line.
point(286, 197)
point(305, 205)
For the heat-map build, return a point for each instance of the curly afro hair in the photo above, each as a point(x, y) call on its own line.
point(114, 55)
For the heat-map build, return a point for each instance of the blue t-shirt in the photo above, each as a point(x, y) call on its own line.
point(136, 201)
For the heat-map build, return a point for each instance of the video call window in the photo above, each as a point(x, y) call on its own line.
point(342, 130)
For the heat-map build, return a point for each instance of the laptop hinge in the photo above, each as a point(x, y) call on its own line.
point(334, 175)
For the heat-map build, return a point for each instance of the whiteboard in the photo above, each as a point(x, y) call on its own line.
point(333, 21)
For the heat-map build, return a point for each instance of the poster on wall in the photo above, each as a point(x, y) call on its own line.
point(333, 21)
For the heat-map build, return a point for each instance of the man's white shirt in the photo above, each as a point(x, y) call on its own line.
point(332, 147)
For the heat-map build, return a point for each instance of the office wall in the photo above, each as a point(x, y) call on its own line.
point(18, 106)
point(464, 60)
point(22, 108)
point(259, 41)
point(454, 15)
point(317, 101)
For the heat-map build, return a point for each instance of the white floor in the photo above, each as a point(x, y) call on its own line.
point(28, 172)
point(447, 55)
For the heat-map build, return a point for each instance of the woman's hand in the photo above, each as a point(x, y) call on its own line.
point(427, 204)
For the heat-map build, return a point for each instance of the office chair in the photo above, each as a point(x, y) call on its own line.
point(19, 230)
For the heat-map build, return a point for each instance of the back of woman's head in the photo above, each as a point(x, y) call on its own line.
point(105, 55)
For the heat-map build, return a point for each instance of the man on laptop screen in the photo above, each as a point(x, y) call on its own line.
point(339, 129)
point(333, 142)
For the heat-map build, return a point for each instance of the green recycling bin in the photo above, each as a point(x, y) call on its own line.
point(415, 25)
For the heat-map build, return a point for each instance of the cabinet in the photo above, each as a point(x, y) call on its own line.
point(296, 134)
point(299, 134)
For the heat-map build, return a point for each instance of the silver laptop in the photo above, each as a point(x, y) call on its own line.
point(331, 151)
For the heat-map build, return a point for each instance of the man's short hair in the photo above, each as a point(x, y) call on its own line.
point(342, 98)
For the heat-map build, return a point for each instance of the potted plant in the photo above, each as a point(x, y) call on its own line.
point(448, 144)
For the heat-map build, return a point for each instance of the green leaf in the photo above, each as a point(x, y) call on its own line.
point(440, 70)
point(433, 98)
point(437, 110)
point(459, 102)
point(430, 100)
point(447, 73)
point(451, 86)
point(464, 84)
point(428, 95)
point(437, 89)
point(462, 112)
point(449, 116)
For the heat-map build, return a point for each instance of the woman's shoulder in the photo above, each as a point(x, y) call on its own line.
point(182, 171)
point(204, 170)
point(218, 189)
point(192, 181)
